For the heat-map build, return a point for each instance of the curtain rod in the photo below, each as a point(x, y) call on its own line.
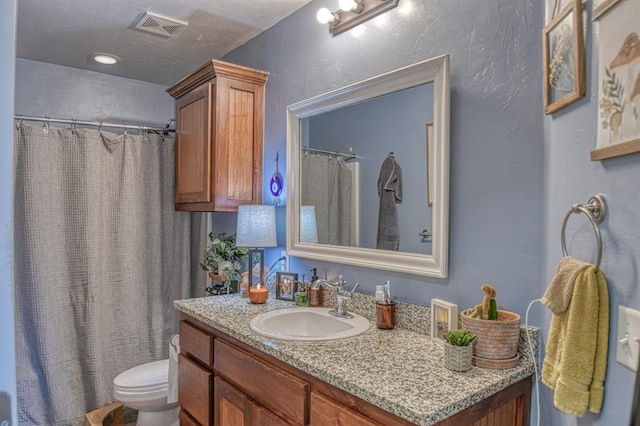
point(98, 124)
point(324, 151)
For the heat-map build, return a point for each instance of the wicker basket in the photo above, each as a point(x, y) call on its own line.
point(457, 358)
point(496, 339)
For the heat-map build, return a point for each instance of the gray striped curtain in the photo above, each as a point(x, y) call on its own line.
point(325, 182)
point(100, 255)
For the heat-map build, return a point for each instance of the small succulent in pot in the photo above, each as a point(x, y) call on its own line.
point(459, 337)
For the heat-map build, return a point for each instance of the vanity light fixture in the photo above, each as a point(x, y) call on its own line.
point(106, 58)
point(352, 13)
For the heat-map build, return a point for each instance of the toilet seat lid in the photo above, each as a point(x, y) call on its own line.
point(149, 376)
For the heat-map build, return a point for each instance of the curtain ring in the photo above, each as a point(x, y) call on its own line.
point(46, 125)
point(124, 126)
point(19, 124)
point(100, 127)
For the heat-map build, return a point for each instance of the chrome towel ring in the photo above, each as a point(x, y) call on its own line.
point(595, 210)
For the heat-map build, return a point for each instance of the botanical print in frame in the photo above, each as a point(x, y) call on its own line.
point(554, 7)
point(600, 7)
point(429, 164)
point(286, 285)
point(619, 82)
point(564, 64)
point(444, 317)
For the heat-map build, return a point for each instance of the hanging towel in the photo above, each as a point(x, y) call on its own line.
point(575, 363)
point(558, 294)
point(390, 193)
point(172, 385)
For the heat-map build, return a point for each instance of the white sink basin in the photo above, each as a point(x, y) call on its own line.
point(307, 324)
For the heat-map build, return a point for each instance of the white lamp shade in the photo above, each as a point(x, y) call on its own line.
point(256, 226)
point(308, 226)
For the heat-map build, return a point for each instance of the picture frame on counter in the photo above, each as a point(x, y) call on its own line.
point(444, 317)
point(286, 283)
point(564, 59)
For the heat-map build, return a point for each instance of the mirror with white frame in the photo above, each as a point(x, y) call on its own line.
point(350, 223)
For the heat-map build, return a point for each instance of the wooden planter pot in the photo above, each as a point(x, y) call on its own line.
point(497, 343)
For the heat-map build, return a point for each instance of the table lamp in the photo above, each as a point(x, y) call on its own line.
point(256, 230)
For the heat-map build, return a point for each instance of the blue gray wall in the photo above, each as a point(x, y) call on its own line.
point(570, 177)
point(496, 128)
point(89, 96)
point(7, 72)
point(514, 173)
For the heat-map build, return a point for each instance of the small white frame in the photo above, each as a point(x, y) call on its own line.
point(444, 317)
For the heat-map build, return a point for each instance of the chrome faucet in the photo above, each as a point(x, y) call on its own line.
point(342, 295)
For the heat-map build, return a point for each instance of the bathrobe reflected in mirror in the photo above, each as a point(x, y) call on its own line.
point(390, 193)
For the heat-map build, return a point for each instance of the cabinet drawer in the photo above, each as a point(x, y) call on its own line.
point(187, 420)
point(195, 389)
point(196, 342)
point(325, 411)
point(278, 391)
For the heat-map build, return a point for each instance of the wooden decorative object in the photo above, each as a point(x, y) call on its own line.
point(564, 62)
point(97, 417)
point(600, 7)
point(497, 339)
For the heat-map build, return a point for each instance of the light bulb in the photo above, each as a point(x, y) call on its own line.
point(347, 5)
point(324, 16)
point(351, 6)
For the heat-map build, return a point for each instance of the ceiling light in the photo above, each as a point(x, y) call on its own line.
point(351, 6)
point(353, 13)
point(105, 58)
point(324, 16)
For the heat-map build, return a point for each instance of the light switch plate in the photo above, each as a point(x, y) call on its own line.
point(628, 337)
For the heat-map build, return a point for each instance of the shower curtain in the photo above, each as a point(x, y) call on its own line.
point(100, 255)
point(326, 184)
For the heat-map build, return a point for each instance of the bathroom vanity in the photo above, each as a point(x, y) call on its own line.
point(230, 375)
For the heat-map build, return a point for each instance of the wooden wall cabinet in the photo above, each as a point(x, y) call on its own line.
point(219, 137)
point(237, 385)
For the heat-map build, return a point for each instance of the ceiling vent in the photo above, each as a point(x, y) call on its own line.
point(158, 25)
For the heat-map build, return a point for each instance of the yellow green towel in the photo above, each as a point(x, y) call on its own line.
point(575, 363)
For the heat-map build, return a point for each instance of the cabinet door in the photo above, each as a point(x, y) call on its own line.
point(325, 411)
point(238, 145)
point(233, 408)
point(193, 146)
point(194, 390)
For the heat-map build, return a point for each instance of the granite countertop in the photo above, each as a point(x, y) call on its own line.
point(399, 370)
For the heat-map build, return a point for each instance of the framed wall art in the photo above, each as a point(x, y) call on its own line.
point(444, 317)
point(600, 7)
point(618, 82)
point(286, 285)
point(563, 58)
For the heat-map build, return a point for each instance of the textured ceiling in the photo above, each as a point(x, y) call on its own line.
point(66, 32)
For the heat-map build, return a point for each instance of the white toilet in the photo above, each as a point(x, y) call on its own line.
point(145, 388)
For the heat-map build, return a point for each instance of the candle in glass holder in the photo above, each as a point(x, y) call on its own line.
point(258, 294)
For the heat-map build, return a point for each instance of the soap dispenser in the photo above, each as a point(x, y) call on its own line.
point(314, 293)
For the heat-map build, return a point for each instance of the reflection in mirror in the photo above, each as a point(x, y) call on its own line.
point(378, 198)
point(358, 161)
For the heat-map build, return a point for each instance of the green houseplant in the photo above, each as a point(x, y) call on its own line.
point(223, 257)
point(458, 349)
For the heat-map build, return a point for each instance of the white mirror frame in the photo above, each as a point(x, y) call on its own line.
point(435, 70)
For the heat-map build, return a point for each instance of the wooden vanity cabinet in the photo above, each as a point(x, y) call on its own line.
point(219, 137)
point(225, 382)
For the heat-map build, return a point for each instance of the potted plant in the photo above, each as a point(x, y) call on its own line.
point(458, 349)
point(224, 258)
point(498, 331)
